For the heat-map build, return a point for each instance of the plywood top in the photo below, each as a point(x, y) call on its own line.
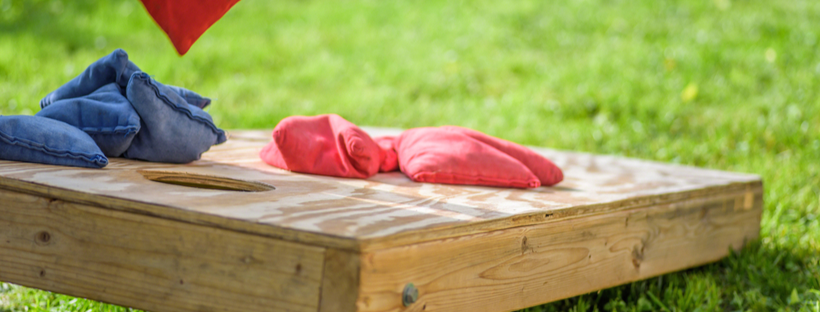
point(383, 211)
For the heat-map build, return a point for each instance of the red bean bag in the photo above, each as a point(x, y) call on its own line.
point(324, 144)
point(455, 155)
point(390, 160)
point(330, 145)
point(548, 173)
point(185, 20)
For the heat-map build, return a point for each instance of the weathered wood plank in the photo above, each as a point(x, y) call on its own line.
point(319, 243)
point(151, 263)
point(524, 266)
point(173, 213)
point(384, 211)
point(340, 281)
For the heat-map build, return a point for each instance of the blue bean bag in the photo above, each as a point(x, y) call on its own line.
point(47, 141)
point(105, 115)
point(191, 97)
point(113, 68)
point(172, 130)
point(163, 125)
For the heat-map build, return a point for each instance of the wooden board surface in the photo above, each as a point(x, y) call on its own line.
point(521, 267)
point(151, 263)
point(384, 211)
point(167, 237)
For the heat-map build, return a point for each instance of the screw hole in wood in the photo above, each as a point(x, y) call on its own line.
point(43, 237)
point(205, 181)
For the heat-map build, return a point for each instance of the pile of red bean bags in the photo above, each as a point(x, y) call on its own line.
point(330, 145)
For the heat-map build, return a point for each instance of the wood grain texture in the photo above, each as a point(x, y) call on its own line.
point(299, 242)
point(151, 263)
point(340, 281)
point(384, 211)
point(520, 267)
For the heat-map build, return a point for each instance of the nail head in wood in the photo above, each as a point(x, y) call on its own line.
point(410, 294)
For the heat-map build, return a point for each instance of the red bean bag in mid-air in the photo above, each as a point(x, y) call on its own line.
point(185, 20)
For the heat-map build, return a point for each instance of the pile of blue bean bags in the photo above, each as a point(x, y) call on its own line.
point(112, 109)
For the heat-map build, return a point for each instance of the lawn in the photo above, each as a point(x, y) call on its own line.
point(724, 84)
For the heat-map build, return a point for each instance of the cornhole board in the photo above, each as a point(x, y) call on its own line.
point(164, 237)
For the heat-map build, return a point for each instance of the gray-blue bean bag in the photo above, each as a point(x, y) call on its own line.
point(47, 141)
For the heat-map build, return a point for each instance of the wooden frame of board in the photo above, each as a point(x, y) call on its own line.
point(163, 237)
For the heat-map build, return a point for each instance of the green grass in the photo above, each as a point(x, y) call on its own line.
point(730, 85)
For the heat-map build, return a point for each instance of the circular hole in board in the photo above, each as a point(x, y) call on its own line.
point(203, 181)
